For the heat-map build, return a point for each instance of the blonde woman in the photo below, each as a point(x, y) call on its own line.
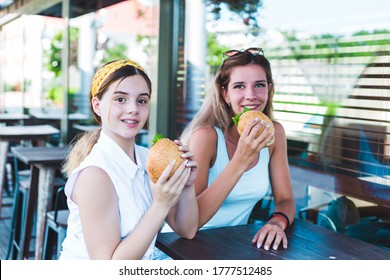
point(236, 171)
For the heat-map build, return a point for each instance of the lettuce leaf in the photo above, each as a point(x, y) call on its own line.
point(157, 137)
point(237, 117)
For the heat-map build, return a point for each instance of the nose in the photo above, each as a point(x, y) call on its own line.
point(250, 94)
point(132, 107)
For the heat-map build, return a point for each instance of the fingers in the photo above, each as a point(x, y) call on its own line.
point(267, 237)
point(191, 164)
point(165, 175)
point(175, 176)
point(167, 191)
point(186, 153)
point(253, 127)
point(258, 130)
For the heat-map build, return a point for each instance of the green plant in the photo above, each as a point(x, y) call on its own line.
point(214, 52)
point(247, 10)
point(116, 52)
point(54, 56)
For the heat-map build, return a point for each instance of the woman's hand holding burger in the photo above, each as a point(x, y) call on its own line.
point(171, 168)
point(256, 132)
point(190, 163)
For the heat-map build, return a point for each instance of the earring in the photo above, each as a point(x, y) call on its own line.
point(229, 104)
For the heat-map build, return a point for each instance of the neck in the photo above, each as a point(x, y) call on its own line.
point(232, 135)
point(126, 144)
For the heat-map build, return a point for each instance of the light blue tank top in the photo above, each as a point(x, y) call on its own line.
point(252, 186)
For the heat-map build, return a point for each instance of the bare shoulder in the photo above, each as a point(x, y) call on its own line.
point(279, 130)
point(93, 179)
point(204, 136)
point(280, 138)
point(93, 173)
point(203, 143)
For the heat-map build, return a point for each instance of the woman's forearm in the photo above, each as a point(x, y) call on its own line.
point(135, 245)
point(184, 217)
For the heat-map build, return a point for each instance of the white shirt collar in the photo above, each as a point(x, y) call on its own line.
point(108, 145)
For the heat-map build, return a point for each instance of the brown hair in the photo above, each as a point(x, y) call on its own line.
point(83, 145)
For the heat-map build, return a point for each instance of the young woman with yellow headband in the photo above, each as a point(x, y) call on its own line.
point(114, 213)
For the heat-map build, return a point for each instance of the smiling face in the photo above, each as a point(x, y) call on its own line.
point(124, 108)
point(248, 87)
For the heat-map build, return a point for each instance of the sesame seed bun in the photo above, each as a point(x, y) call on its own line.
point(162, 153)
point(247, 117)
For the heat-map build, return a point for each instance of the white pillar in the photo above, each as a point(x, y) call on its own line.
point(195, 51)
point(86, 53)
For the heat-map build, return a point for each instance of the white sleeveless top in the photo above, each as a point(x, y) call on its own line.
point(131, 183)
point(251, 187)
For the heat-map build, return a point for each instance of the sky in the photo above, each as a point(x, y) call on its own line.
point(339, 16)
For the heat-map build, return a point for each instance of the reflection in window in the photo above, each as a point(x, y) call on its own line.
point(32, 47)
point(331, 81)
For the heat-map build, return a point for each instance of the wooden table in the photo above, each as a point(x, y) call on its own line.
point(13, 118)
point(85, 127)
point(342, 184)
point(44, 162)
point(140, 139)
point(54, 118)
point(37, 134)
point(306, 242)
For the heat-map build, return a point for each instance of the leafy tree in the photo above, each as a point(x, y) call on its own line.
point(54, 56)
point(114, 53)
point(214, 52)
point(247, 10)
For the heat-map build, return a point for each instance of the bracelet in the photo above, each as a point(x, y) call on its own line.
point(281, 216)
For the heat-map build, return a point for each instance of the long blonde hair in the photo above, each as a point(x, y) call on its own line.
point(82, 146)
point(214, 110)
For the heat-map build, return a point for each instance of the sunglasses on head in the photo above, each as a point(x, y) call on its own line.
point(253, 51)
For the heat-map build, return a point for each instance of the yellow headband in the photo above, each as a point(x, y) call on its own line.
point(107, 70)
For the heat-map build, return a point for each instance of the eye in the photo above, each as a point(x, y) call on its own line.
point(143, 101)
point(260, 85)
point(238, 86)
point(120, 99)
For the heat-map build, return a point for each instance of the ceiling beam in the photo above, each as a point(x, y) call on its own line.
point(20, 7)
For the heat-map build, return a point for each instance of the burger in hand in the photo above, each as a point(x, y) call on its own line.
point(242, 120)
point(161, 154)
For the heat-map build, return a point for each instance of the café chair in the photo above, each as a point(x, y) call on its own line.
point(56, 225)
point(369, 223)
point(374, 226)
point(261, 210)
point(18, 220)
point(336, 215)
point(316, 216)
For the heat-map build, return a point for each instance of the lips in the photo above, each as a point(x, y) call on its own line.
point(251, 107)
point(130, 121)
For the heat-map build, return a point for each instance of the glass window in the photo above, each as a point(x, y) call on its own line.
point(331, 70)
point(32, 49)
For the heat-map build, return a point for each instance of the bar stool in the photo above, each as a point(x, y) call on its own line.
point(18, 219)
point(56, 225)
point(21, 201)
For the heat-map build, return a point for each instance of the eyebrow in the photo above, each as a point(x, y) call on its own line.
point(258, 81)
point(126, 93)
